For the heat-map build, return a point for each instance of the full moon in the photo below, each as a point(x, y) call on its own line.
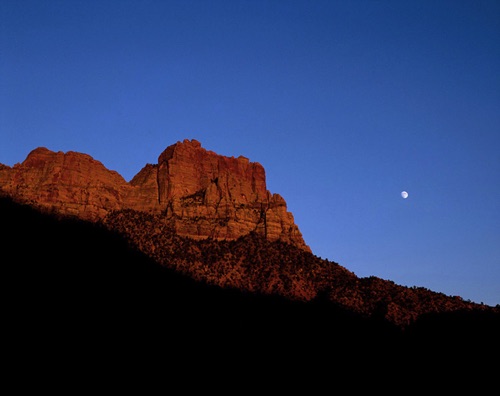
point(404, 194)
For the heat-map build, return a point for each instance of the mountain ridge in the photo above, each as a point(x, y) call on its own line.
point(200, 193)
point(211, 218)
point(78, 290)
point(257, 265)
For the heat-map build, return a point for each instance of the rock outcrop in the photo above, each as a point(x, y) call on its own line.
point(199, 193)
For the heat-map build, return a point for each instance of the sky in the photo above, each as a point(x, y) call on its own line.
point(345, 103)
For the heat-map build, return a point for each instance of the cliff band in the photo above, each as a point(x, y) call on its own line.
point(200, 194)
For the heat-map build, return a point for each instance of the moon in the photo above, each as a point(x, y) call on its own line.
point(404, 194)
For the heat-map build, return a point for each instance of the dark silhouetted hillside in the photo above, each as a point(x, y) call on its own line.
point(77, 292)
point(67, 278)
point(254, 264)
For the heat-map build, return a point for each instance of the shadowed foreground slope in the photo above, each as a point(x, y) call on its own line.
point(72, 277)
point(77, 291)
point(255, 264)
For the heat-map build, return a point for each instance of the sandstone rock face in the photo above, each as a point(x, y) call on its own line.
point(198, 192)
point(70, 183)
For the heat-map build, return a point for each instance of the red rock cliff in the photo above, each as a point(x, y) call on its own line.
point(200, 193)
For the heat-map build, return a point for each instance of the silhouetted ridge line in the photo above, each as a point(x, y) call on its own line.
point(75, 271)
point(79, 291)
point(255, 264)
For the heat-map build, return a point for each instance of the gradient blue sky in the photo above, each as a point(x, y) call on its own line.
point(344, 103)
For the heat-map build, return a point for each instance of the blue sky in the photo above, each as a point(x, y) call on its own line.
point(344, 103)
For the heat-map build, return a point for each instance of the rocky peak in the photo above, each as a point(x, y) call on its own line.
point(69, 183)
point(198, 192)
point(186, 168)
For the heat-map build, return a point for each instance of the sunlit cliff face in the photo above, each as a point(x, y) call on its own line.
point(200, 193)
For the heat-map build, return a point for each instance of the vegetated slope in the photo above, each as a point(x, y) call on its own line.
point(255, 264)
point(78, 292)
point(75, 288)
point(168, 211)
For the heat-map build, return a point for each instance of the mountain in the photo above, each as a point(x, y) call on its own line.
point(85, 307)
point(195, 249)
point(200, 194)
